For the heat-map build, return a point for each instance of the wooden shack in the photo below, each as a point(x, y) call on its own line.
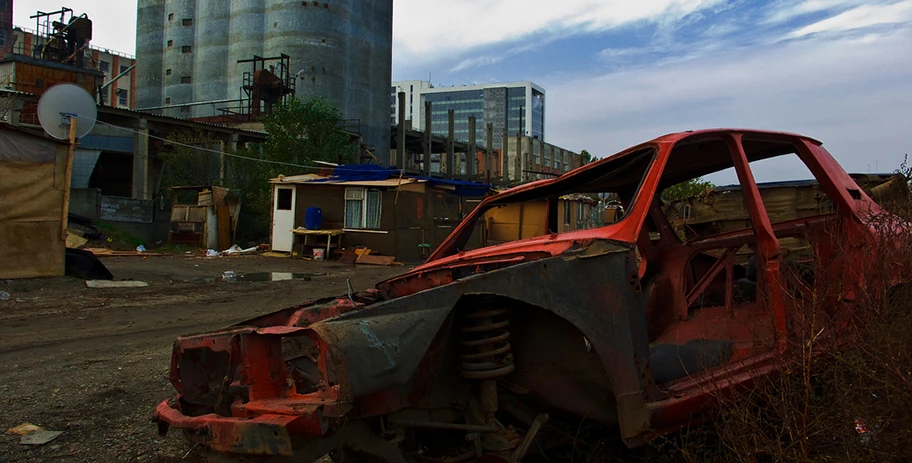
point(528, 219)
point(204, 216)
point(406, 217)
point(32, 221)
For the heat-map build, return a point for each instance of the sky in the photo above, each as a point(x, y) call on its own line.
point(619, 72)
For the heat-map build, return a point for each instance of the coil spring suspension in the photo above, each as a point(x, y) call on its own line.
point(486, 350)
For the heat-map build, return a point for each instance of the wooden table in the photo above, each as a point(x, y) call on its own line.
point(329, 234)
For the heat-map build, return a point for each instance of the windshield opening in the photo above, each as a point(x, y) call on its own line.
point(590, 197)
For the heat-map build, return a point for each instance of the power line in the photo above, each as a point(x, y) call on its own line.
point(222, 153)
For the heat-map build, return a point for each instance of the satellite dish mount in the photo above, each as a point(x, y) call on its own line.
point(59, 110)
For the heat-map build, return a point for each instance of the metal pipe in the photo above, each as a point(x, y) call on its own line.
point(118, 77)
point(198, 103)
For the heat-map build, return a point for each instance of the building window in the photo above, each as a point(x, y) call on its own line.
point(170, 17)
point(362, 208)
point(104, 66)
point(187, 21)
point(2, 37)
point(186, 49)
point(170, 43)
point(185, 79)
point(4, 6)
point(185, 109)
point(567, 213)
point(122, 99)
point(104, 97)
point(123, 69)
point(167, 100)
point(167, 72)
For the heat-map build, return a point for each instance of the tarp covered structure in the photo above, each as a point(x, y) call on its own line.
point(32, 182)
point(367, 172)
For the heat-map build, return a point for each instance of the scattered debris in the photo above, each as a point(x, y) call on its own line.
point(274, 254)
point(375, 260)
point(24, 429)
point(4, 296)
point(116, 284)
point(211, 253)
point(140, 248)
point(111, 253)
point(229, 276)
point(31, 434)
point(277, 276)
point(236, 250)
point(75, 238)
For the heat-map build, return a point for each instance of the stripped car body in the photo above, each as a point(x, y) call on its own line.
point(467, 355)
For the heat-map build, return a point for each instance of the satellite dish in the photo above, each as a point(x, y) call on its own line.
point(60, 102)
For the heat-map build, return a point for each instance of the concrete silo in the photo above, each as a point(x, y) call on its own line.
point(150, 40)
point(210, 54)
point(178, 58)
point(340, 50)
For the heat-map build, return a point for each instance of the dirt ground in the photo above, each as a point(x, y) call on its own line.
point(93, 363)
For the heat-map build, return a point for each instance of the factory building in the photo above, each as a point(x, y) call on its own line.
point(230, 60)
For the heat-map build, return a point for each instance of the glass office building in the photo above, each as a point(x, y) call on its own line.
point(518, 107)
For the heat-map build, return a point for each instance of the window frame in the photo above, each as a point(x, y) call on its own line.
point(363, 220)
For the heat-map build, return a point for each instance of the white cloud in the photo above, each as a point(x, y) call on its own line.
point(860, 17)
point(424, 27)
point(786, 10)
point(853, 94)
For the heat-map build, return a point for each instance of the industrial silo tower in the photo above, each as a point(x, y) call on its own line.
point(187, 55)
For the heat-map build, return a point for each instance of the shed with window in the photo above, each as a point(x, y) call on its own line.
point(404, 217)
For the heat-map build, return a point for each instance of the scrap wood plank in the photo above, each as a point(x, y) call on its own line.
point(375, 260)
point(116, 284)
point(274, 254)
point(349, 256)
point(109, 253)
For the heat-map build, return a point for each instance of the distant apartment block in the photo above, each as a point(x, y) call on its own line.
point(517, 107)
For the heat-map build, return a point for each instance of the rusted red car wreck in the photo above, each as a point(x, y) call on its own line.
point(467, 356)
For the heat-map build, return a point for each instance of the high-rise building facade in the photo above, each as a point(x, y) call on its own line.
point(412, 90)
point(517, 107)
point(188, 53)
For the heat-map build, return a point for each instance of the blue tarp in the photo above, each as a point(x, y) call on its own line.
point(369, 172)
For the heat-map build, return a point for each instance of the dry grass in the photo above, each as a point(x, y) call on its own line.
point(846, 403)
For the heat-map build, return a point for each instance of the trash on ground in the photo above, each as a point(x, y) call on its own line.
point(4, 296)
point(140, 248)
point(235, 249)
point(24, 429)
point(211, 253)
point(75, 238)
point(116, 284)
point(229, 276)
point(31, 434)
point(111, 253)
point(39, 437)
point(276, 276)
